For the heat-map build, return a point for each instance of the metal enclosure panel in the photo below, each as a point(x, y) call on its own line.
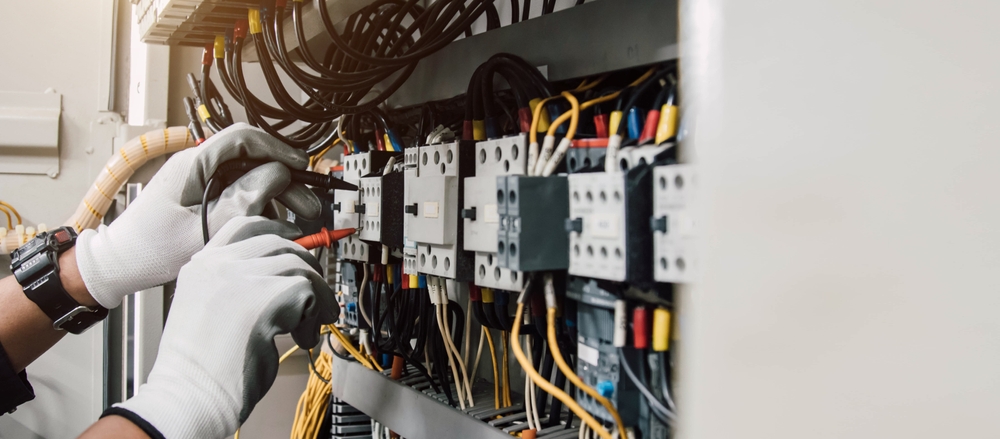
point(838, 263)
point(606, 35)
point(30, 123)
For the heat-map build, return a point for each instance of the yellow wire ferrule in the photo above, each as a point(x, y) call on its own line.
point(203, 112)
point(667, 126)
point(478, 130)
point(614, 121)
point(543, 118)
point(487, 295)
point(253, 16)
point(220, 46)
point(661, 329)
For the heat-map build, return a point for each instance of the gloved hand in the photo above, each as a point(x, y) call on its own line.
point(161, 230)
point(217, 357)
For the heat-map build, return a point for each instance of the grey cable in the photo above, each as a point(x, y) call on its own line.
point(658, 409)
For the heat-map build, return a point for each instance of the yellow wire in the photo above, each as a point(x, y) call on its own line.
point(584, 86)
point(350, 347)
point(12, 210)
point(547, 386)
point(374, 362)
point(568, 371)
point(573, 115)
point(535, 116)
point(315, 400)
point(504, 338)
point(287, 354)
point(313, 160)
point(496, 376)
point(10, 225)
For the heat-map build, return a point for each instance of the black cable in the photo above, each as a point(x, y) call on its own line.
point(209, 186)
point(312, 367)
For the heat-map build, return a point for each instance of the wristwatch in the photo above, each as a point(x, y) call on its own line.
point(36, 268)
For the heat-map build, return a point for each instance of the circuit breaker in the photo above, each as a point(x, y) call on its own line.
point(673, 223)
point(434, 225)
point(608, 225)
point(480, 215)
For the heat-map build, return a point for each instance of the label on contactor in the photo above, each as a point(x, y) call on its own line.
point(372, 209)
point(431, 209)
point(587, 353)
point(490, 214)
point(603, 225)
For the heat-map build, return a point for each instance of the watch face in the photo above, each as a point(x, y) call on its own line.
point(26, 251)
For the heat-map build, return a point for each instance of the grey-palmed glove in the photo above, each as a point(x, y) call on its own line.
point(161, 230)
point(217, 357)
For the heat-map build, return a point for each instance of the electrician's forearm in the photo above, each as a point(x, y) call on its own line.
point(25, 331)
point(114, 426)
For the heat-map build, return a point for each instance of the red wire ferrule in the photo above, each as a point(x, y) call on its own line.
point(601, 124)
point(649, 129)
point(640, 327)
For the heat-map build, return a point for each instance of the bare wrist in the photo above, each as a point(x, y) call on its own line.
point(69, 274)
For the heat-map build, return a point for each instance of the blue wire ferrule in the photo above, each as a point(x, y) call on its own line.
point(635, 123)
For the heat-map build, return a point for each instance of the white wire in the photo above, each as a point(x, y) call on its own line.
point(451, 361)
point(340, 133)
point(534, 402)
point(451, 342)
point(361, 295)
point(468, 333)
point(479, 352)
point(527, 404)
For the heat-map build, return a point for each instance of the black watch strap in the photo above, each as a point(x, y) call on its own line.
point(36, 267)
point(66, 313)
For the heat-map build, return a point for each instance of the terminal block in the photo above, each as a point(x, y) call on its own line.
point(347, 294)
point(673, 223)
point(345, 206)
point(609, 225)
point(533, 214)
point(632, 157)
point(480, 216)
point(586, 155)
point(381, 209)
point(433, 205)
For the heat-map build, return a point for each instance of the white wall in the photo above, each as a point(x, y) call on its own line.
point(58, 44)
point(849, 163)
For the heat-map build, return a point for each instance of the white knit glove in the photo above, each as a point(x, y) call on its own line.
point(217, 357)
point(147, 245)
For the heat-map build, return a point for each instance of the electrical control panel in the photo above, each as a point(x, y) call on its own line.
point(435, 226)
point(480, 215)
point(673, 223)
point(608, 225)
